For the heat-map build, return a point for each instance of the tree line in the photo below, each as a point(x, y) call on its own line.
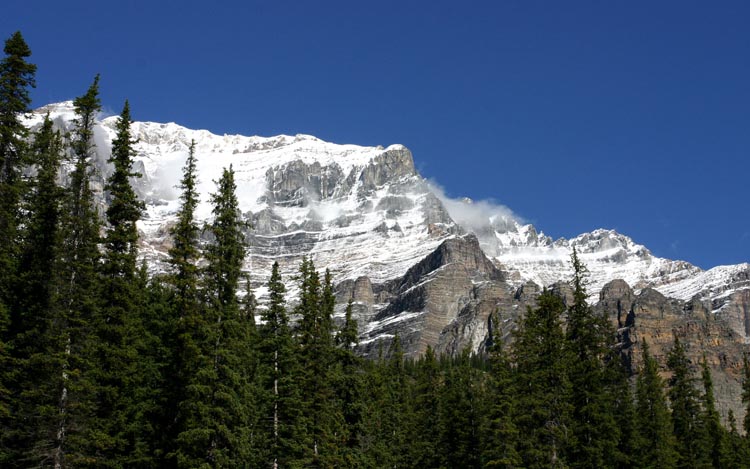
point(104, 365)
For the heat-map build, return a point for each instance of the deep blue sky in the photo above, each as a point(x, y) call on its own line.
point(576, 115)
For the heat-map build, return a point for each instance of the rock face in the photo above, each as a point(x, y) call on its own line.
point(651, 317)
point(414, 263)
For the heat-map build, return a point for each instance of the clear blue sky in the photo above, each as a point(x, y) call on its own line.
point(577, 115)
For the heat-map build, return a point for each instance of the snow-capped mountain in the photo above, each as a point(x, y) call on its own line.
point(367, 215)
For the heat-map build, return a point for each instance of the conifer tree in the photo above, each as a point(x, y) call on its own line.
point(383, 437)
point(37, 334)
point(16, 77)
point(737, 453)
point(424, 451)
point(716, 439)
point(184, 253)
point(186, 314)
point(543, 387)
point(655, 445)
point(79, 280)
point(349, 390)
point(122, 359)
point(277, 384)
point(316, 352)
point(686, 410)
point(460, 413)
point(217, 407)
point(501, 442)
point(589, 343)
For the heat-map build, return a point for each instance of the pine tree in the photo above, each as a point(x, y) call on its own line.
point(589, 344)
point(501, 442)
point(655, 445)
point(217, 408)
point(543, 388)
point(686, 410)
point(16, 77)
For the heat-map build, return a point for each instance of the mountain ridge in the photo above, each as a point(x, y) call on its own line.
point(365, 212)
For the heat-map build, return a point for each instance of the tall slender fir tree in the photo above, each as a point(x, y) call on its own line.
point(655, 445)
point(16, 77)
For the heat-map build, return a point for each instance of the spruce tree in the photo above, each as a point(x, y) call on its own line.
point(655, 445)
point(589, 344)
point(461, 414)
point(38, 337)
point(686, 410)
point(737, 453)
point(383, 438)
point(277, 384)
point(501, 441)
point(716, 438)
point(16, 77)
point(122, 359)
point(348, 385)
point(186, 314)
point(543, 387)
point(323, 420)
point(424, 451)
point(78, 444)
point(216, 412)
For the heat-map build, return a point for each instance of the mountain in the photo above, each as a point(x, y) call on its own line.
point(416, 263)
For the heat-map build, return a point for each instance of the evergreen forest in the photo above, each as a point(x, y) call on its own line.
point(104, 365)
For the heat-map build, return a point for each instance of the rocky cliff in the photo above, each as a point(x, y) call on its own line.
point(410, 259)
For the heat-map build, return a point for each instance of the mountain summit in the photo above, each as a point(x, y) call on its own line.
point(416, 263)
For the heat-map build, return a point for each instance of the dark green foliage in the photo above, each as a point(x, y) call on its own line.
point(654, 446)
point(714, 433)
point(461, 411)
point(501, 435)
point(280, 434)
point(184, 254)
point(589, 344)
point(322, 418)
point(425, 451)
point(38, 336)
point(348, 386)
point(16, 77)
point(384, 439)
point(124, 366)
point(216, 412)
point(186, 318)
point(686, 411)
point(737, 453)
point(543, 388)
point(78, 289)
